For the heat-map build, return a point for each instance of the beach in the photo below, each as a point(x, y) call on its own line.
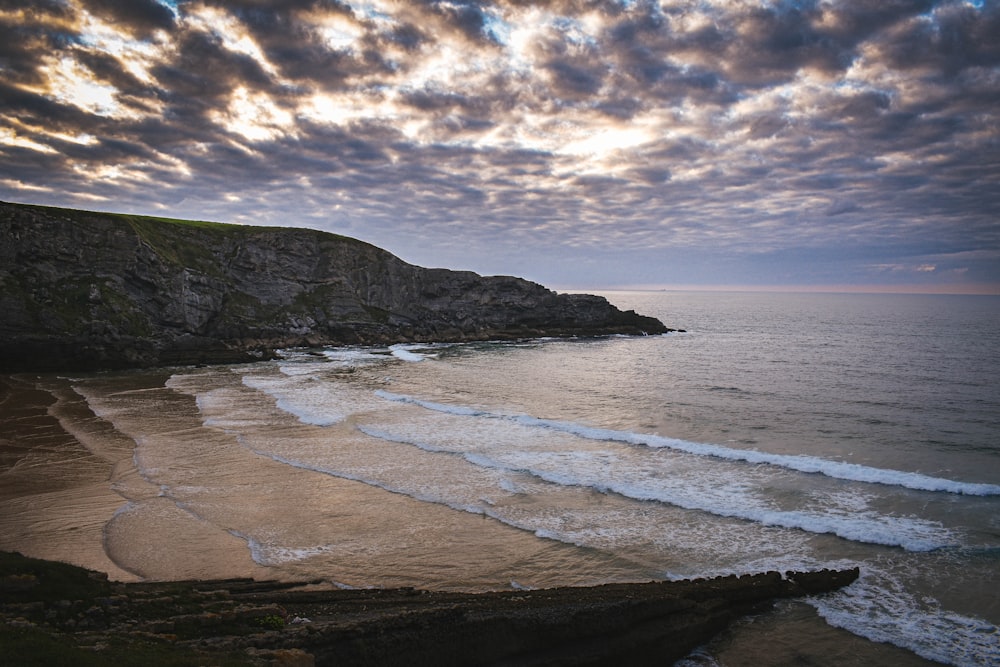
point(528, 465)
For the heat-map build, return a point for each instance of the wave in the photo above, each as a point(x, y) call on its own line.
point(340, 474)
point(808, 464)
point(404, 352)
point(290, 398)
point(911, 534)
point(350, 356)
point(878, 607)
point(271, 555)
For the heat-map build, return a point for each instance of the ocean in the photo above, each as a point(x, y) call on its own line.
point(778, 432)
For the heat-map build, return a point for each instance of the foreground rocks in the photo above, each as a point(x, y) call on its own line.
point(81, 290)
point(52, 612)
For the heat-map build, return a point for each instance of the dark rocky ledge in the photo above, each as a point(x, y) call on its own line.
point(53, 613)
point(81, 290)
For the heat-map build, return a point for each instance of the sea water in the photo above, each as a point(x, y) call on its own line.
point(779, 432)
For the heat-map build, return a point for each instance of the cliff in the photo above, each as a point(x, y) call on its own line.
point(53, 613)
point(87, 290)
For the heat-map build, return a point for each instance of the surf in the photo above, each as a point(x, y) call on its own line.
point(805, 464)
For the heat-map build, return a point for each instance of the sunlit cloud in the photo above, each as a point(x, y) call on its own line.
point(136, 56)
point(343, 109)
point(255, 116)
point(21, 186)
point(12, 138)
point(606, 141)
point(230, 31)
point(338, 32)
point(68, 81)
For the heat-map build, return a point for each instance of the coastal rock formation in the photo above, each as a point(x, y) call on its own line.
point(85, 290)
point(53, 609)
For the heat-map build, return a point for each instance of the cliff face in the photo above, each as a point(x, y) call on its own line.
point(84, 290)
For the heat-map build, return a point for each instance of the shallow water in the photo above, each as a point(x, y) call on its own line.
point(780, 432)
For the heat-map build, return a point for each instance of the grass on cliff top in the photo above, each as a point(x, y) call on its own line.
point(146, 221)
point(77, 214)
point(185, 242)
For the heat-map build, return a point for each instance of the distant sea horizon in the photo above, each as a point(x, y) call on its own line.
point(985, 289)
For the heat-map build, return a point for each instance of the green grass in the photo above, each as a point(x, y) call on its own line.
point(77, 214)
point(179, 240)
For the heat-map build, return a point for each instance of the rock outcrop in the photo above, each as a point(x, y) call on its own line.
point(86, 290)
point(55, 610)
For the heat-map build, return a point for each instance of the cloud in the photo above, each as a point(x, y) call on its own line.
point(139, 17)
point(491, 130)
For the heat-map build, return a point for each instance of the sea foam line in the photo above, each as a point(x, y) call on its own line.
point(909, 533)
point(436, 499)
point(878, 607)
point(287, 397)
point(808, 464)
point(270, 555)
point(403, 352)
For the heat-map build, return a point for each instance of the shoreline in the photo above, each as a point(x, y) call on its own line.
point(737, 641)
point(102, 619)
point(53, 611)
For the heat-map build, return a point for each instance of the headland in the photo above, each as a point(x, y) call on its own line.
point(82, 290)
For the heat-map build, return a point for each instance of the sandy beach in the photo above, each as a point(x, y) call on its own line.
point(56, 495)
point(68, 474)
point(67, 477)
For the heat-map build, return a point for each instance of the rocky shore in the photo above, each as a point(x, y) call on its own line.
point(82, 290)
point(53, 613)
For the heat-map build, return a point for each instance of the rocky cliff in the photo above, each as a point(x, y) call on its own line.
point(86, 290)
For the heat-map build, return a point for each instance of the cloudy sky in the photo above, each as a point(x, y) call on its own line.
point(578, 143)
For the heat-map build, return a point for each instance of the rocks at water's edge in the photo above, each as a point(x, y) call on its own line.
point(48, 611)
point(86, 290)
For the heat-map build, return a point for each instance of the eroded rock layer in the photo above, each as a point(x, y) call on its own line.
point(85, 290)
point(53, 608)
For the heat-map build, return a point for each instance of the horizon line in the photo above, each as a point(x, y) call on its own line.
point(986, 289)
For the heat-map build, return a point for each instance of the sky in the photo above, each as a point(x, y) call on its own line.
point(830, 144)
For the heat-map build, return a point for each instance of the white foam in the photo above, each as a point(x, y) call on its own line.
point(391, 437)
point(910, 533)
point(807, 464)
point(300, 368)
point(446, 496)
point(270, 555)
point(293, 395)
point(428, 496)
point(878, 608)
point(437, 407)
point(845, 515)
point(405, 352)
point(350, 356)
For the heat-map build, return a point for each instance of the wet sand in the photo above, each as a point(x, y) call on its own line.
point(66, 476)
point(55, 495)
